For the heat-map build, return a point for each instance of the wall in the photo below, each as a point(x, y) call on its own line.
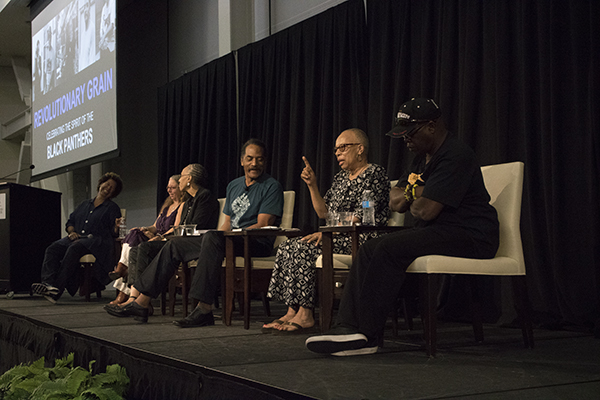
point(10, 106)
point(141, 69)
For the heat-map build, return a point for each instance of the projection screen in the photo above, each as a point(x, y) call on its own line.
point(74, 90)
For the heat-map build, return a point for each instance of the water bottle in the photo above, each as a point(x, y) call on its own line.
point(122, 228)
point(368, 206)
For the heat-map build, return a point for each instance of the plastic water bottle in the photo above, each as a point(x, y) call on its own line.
point(122, 228)
point(368, 206)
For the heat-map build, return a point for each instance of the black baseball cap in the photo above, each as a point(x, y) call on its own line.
point(412, 114)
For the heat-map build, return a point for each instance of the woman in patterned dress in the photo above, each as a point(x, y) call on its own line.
point(293, 278)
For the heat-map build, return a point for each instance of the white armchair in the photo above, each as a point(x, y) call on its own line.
point(504, 183)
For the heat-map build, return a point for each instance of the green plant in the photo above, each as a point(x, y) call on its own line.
point(34, 381)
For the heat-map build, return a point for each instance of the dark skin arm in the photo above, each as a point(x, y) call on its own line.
point(71, 233)
point(421, 208)
point(261, 221)
point(398, 202)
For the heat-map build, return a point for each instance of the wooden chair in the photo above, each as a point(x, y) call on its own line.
point(504, 183)
point(256, 278)
point(182, 278)
point(88, 261)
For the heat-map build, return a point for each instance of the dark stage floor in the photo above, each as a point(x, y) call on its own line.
point(563, 365)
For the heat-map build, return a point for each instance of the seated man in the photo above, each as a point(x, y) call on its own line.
point(253, 201)
point(445, 193)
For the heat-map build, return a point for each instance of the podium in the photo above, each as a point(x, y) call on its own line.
point(30, 220)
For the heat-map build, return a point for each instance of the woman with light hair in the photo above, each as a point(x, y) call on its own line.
point(162, 226)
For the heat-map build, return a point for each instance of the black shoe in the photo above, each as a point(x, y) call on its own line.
point(196, 318)
point(337, 341)
point(107, 306)
point(132, 309)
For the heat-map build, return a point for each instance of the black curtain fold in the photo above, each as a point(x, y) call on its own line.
point(299, 89)
point(516, 80)
point(198, 124)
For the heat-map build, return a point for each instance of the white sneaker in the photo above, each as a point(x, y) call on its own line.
point(368, 349)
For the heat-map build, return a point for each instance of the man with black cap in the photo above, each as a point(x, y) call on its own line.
point(444, 191)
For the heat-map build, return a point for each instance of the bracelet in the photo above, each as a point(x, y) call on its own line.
point(408, 194)
point(414, 194)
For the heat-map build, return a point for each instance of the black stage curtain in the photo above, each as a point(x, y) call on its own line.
point(197, 124)
point(516, 80)
point(299, 89)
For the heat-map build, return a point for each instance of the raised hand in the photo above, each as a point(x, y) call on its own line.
point(308, 175)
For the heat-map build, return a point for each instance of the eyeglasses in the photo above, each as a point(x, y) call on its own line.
point(409, 136)
point(343, 147)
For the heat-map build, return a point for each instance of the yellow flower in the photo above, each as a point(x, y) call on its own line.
point(413, 178)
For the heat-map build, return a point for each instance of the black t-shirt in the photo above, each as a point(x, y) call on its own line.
point(453, 177)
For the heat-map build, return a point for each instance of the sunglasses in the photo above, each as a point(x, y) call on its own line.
point(408, 136)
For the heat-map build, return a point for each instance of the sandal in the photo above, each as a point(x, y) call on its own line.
point(121, 298)
point(299, 330)
point(270, 329)
point(119, 305)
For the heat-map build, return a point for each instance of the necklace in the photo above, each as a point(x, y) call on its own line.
point(173, 207)
point(354, 175)
point(190, 205)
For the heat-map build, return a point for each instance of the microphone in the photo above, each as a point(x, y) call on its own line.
point(21, 170)
point(84, 236)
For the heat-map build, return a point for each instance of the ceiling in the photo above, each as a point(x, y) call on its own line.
point(15, 31)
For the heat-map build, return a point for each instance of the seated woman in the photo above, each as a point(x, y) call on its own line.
point(200, 209)
point(293, 278)
point(162, 226)
point(92, 228)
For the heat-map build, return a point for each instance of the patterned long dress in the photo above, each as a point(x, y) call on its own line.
point(294, 275)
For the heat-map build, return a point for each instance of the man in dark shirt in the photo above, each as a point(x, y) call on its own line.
point(445, 193)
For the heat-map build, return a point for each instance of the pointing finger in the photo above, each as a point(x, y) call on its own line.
point(306, 163)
